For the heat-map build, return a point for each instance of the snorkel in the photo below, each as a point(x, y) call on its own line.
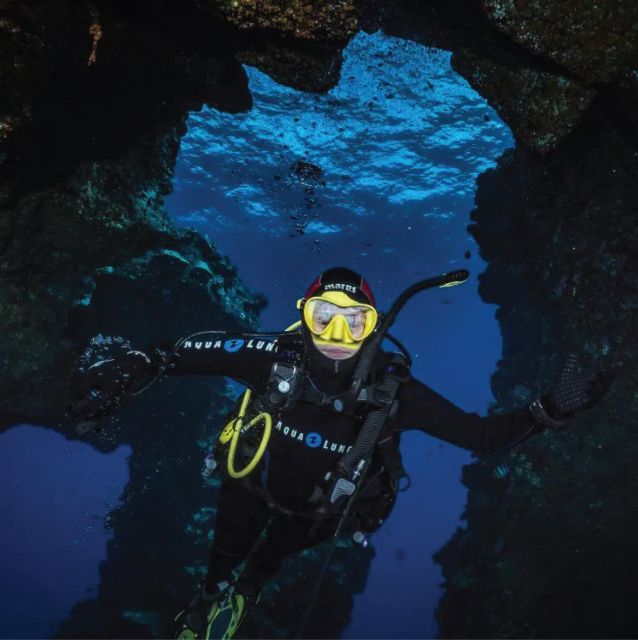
point(375, 419)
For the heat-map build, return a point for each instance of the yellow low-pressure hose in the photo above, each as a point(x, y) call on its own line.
point(232, 472)
point(233, 430)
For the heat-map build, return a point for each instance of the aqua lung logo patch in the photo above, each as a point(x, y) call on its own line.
point(313, 439)
point(233, 345)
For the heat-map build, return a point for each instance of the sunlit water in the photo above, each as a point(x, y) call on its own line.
point(399, 144)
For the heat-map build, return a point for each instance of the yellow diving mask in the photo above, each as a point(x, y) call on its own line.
point(334, 317)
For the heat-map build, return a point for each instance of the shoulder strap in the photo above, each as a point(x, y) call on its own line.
point(352, 467)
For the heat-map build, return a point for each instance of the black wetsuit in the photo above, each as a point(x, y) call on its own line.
point(308, 440)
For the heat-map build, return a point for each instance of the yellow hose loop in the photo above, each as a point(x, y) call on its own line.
point(244, 403)
point(232, 472)
point(238, 426)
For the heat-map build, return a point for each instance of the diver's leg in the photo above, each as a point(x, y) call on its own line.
point(286, 536)
point(241, 517)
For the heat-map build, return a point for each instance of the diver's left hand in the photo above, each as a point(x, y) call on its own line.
point(574, 391)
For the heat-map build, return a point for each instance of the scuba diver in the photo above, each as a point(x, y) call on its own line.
point(312, 449)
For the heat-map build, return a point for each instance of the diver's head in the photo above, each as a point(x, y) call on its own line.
point(338, 313)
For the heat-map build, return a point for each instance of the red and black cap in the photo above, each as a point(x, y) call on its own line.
point(345, 280)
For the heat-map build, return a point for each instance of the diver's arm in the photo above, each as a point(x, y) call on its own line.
point(422, 408)
point(247, 358)
point(121, 371)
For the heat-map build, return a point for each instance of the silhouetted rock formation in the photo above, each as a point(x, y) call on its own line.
point(549, 549)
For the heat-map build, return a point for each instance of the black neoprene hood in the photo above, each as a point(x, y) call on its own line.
point(342, 279)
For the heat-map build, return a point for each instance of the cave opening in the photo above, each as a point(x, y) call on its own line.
point(87, 152)
point(377, 174)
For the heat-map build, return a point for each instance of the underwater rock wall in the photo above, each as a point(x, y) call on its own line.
point(91, 129)
point(86, 249)
point(549, 549)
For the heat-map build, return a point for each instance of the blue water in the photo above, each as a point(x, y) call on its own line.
point(399, 142)
point(53, 507)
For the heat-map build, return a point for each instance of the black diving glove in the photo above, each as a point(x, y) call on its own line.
point(573, 392)
point(107, 377)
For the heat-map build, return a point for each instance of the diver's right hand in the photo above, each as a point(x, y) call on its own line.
point(108, 382)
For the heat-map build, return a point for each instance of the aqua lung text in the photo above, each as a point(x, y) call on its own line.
point(230, 345)
point(313, 440)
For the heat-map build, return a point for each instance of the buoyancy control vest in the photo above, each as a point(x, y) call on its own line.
point(375, 399)
point(244, 440)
